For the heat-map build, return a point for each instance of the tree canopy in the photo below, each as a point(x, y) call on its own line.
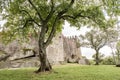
point(27, 16)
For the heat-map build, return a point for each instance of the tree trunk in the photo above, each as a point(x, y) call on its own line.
point(118, 62)
point(44, 63)
point(114, 60)
point(97, 58)
point(113, 55)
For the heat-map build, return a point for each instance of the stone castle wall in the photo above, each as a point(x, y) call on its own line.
point(60, 51)
point(55, 51)
point(72, 50)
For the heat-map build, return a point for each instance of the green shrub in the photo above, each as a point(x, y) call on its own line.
point(108, 61)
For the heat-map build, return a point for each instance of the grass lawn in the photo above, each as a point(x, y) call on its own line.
point(65, 72)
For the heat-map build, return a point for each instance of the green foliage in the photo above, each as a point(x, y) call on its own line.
point(112, 6)
point(22, 17)
point(95, 39)
point(108, 61)
point(90, 16)
point(26, 17)
point(65, 72)
point(92, 62)
point(118, 45)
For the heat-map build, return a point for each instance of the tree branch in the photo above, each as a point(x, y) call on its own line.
point(76, 16)
point(51, 12)
point(26, 13)
point(66, 9)
point(27, 57)
point(41, 19)
point(52, 33)
point(102, 45)
point(35, 22)
point(31, 19)
point(99, 42)
point(58, 17)
point(11, 35)
point(92, 40)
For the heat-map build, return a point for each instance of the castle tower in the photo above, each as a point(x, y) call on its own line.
point(55, 51)
point(72, 50)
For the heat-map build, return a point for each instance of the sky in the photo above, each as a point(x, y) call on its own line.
point(1, 24)
point(88, 52)
point(72, 31)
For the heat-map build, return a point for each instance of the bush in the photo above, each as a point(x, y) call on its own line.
point(108, 61)
point(92, 62)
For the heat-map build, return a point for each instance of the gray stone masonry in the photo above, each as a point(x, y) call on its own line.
point(60, 51)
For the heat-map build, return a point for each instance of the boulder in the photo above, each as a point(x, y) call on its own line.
point(84, 61)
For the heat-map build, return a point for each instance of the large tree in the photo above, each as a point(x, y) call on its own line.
point(96, 40)
point(44, 18)
point(118, 54)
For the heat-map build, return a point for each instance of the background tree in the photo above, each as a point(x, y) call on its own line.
point(95, 39)
point(108, 61)
point(113, 36)
point(98, 38)
point(118, 54)
point(44, 18)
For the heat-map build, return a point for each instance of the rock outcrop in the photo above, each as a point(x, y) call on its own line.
point(60, 51)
